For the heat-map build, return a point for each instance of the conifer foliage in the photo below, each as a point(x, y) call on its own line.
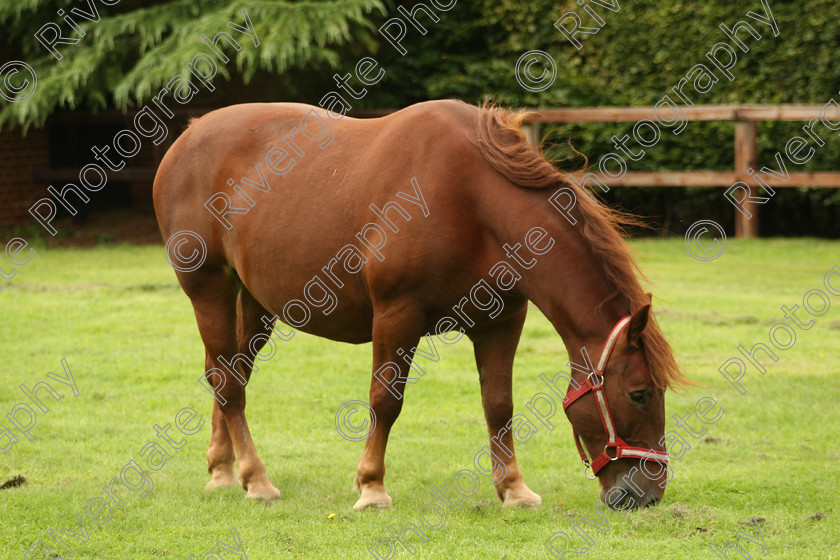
point(131, 48)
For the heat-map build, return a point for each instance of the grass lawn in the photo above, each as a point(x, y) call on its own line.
point(769, 466)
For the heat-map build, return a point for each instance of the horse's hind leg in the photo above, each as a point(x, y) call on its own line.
point(494, 352)
point(214, 291)
point(249, 324)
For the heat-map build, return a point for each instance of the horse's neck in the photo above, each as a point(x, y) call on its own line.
point(575, 295)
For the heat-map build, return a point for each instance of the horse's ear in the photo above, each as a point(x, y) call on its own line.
point(638, 322)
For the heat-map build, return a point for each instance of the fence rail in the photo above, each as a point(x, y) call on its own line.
point(746, 119)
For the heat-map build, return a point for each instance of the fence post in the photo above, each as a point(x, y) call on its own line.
point(532, 133)
point(746, 156)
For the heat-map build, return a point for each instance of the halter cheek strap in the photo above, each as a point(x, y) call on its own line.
point(595, 383)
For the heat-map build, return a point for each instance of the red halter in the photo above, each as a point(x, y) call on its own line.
point(595, 383)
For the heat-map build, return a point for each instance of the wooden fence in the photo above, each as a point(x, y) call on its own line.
point(746, 119)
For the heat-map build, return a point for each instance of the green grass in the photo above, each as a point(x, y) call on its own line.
point(119, 317)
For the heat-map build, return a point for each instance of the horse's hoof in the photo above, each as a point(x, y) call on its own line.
point(221, 480)
point(264, 492)
point(521, 498)
point(377, 500)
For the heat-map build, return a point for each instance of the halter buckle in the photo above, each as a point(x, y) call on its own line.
point(587, 467)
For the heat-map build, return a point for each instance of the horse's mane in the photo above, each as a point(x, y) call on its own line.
point(503, 145)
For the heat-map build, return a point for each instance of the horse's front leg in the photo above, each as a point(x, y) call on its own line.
point(494, 352)
point(394, 336)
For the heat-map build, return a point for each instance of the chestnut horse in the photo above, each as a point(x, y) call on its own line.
point(399, 218)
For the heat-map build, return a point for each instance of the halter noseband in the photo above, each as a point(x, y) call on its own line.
point(595, 383)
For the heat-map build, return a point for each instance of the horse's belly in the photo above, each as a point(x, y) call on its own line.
point(306, 286)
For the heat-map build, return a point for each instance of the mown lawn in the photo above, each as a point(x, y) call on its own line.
point(770, 464)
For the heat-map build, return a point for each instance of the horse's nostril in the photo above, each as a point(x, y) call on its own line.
point(652, 502)
point(617, 499)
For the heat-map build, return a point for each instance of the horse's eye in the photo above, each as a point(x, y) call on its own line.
point(640, 397)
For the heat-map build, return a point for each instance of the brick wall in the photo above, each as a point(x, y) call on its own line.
point(20, 156)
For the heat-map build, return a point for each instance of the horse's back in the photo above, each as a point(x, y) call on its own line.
point(333, 171)
point(228, 143)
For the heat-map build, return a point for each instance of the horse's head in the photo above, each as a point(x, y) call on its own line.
point(618, 412)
